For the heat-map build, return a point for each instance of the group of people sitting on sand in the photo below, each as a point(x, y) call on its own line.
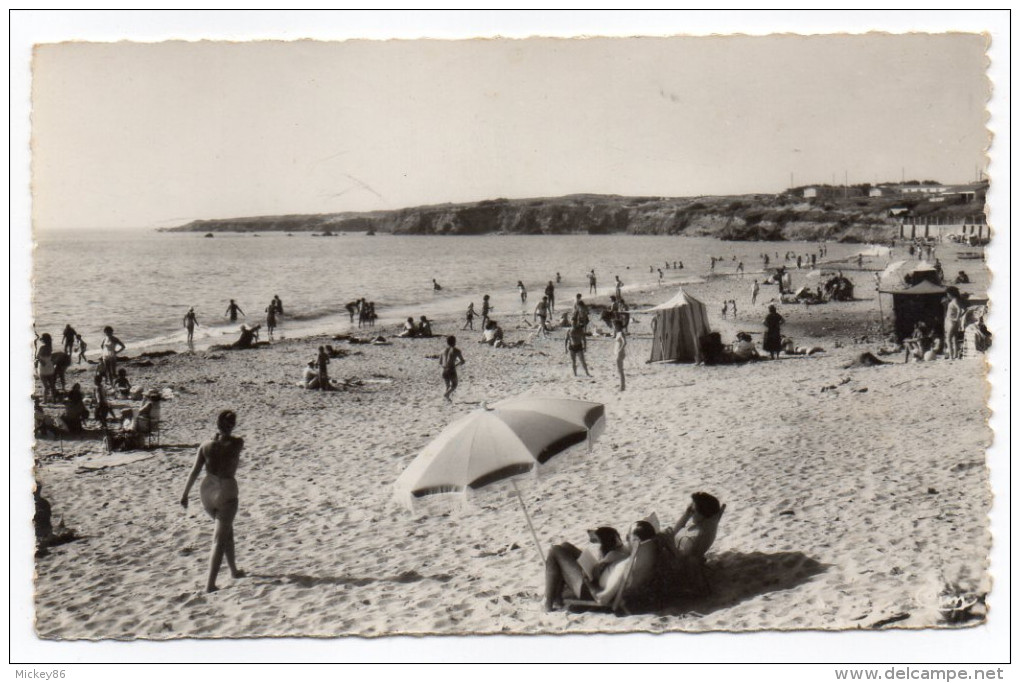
point(652, 568)
point(422, 329)
point(963, 326)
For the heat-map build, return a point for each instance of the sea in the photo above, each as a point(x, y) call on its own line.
point(142, 282)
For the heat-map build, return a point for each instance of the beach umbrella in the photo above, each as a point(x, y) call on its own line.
point(510, 438)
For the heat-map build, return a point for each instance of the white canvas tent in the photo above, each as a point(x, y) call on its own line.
point(679, 325)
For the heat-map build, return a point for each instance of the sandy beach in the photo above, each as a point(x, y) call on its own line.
point(854, 496)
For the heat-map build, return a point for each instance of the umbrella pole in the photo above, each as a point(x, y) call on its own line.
point(524, 507)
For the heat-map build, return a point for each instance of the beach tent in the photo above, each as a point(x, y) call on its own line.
point(922, 302)
point(679, 325)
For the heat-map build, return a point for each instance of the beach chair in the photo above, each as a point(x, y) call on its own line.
point(637, 584)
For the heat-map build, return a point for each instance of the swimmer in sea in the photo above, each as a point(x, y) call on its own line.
point(232, 310)
point(218, 492)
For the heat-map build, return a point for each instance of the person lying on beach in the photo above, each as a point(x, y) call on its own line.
point(122, 385)
point(220, 458)
point(790, 348)
point(582, 573)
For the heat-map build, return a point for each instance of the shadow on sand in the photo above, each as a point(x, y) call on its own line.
point(736, 577)
point(305, 581)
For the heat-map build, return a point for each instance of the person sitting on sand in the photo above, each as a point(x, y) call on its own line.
point(46, 426)
point(962, 279)
point(148, 415)
point(583, 573)
point(220, 458)
point(492, 335)
point(248, 338)
point(409, 329)
point(919, 343)
point(424, 327)
point(122, 385)
point(743, 349)
point(75, 411)
point(436, 287)
point(309, 377)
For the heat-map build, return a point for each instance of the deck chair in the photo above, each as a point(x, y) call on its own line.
point(637, 582)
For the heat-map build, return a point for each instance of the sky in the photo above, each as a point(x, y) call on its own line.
point(150, 135)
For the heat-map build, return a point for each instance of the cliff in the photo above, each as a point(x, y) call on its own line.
point(745, 217)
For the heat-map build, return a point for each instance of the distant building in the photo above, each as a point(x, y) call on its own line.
point(875, 192)
point(921, 189)
point(810, 192)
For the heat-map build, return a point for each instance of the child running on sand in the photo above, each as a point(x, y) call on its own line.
point(449, 359)
point(220, 458)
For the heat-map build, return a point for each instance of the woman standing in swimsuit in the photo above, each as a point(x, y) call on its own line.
point(111, 346)
point(220, 457)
